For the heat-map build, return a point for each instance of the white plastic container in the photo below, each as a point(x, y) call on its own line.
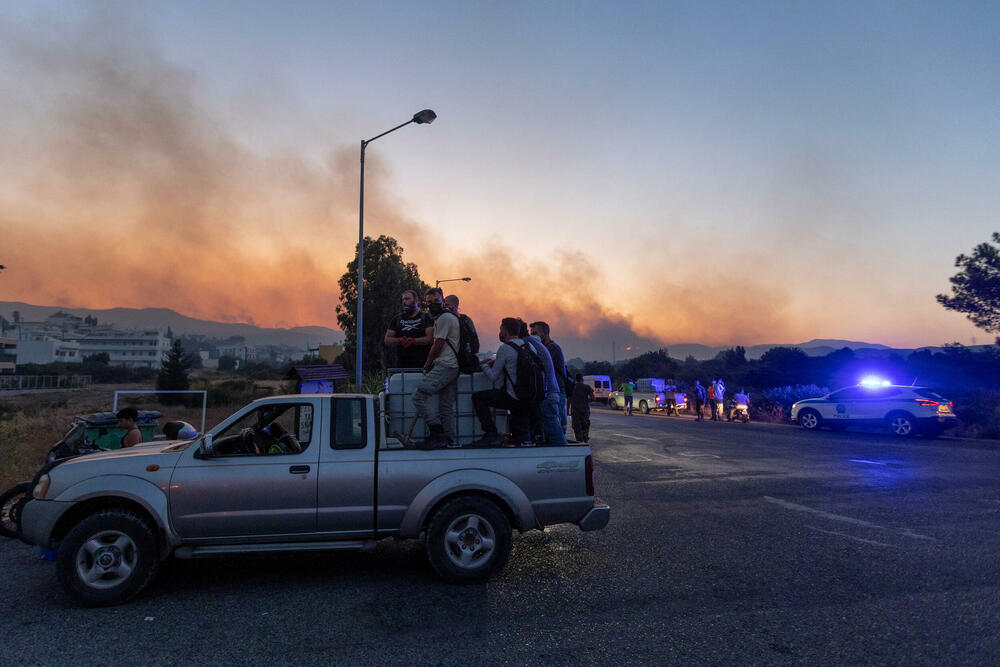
point(400, 410)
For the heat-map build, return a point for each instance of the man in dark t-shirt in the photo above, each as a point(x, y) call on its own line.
point(411, 333)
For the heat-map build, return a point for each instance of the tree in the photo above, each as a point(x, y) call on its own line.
point(386, 277)
point(976, 288)
point(174, 373)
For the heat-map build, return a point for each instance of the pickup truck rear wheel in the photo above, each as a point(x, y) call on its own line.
point(108, 558)
point(468, 540)
point(644, 407)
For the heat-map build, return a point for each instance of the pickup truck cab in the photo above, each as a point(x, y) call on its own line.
point(297, 473)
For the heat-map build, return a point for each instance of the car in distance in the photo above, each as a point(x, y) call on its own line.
point(904, 410)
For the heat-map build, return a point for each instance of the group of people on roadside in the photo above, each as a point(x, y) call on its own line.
point(528, 375)
point(715, 397)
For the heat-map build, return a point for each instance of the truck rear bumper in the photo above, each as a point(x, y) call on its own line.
point(596, 517)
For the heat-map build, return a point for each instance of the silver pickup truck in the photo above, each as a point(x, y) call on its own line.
point(298, 473)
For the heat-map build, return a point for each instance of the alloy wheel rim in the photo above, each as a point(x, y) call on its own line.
point(469, 541)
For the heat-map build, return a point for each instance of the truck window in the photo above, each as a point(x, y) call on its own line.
point(348, 424)
point(283, 428)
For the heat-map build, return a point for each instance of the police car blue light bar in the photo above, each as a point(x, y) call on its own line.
point(872, 381)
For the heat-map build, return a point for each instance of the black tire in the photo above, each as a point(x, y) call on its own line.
point(121, 538)
point(11, 502)
point(456, 537)
point(644, 407)
point(612, 403)
point(810, 420)
point(901, 424)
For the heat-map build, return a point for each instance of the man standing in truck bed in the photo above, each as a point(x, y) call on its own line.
point(440, 374)
point(411, 333)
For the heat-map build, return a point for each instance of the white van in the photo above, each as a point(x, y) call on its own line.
point(601, 385)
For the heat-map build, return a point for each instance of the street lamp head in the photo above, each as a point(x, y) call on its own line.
point(426, 116)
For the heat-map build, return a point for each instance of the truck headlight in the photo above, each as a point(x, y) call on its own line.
point(41, 488)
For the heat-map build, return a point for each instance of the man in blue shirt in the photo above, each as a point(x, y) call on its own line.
point(542, 331)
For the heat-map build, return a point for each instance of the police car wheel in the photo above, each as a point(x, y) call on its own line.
point(810, 420)
point(901, 424)
point(644, 407)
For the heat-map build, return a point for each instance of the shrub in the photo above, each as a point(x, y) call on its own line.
point(775, 404)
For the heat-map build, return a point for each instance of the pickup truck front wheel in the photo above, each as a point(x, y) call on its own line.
point(108, 558)
point(468, 540)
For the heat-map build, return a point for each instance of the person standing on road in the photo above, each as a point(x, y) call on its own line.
point(440, 374)
point(627, 390)
point(579, 407)
point(542, 331)
point(720, 397)
point(713, 404)
point(412, 333)
point(699, 400)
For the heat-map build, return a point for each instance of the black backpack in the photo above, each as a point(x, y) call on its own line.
point(468, 345)
point(530, 384)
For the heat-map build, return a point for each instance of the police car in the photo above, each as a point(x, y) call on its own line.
point(903, 409)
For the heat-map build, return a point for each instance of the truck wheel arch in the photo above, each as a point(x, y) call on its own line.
point(138, 495)
point(495, 487)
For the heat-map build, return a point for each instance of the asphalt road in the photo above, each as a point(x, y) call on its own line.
point(728, 544)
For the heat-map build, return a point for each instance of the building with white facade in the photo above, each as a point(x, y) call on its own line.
point(8, 354)
point(63, 337)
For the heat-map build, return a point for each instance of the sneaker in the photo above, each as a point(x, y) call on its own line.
point(436, 440)
point(529, 443)
point(488, 440)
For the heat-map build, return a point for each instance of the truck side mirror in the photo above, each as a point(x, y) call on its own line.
point(205, 447)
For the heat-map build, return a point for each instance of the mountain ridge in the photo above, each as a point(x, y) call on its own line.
point(302, 337)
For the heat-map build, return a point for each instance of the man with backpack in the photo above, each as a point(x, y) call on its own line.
point(468, 339)
point(542, 330)
point(440, 374)
point(518, 383)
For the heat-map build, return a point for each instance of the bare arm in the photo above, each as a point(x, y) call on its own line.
point(434, 353)
point(427, 338)
point(390, 338)
point(133, 437)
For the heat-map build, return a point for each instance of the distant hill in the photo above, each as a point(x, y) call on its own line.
point(161, 318)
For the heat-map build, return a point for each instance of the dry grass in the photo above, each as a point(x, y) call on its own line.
point(30, 424)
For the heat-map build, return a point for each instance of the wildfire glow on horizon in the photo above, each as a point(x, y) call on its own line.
point(148, 166)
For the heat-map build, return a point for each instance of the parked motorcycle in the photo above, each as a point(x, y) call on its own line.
point(739, 412)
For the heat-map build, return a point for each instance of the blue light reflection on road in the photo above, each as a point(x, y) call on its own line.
point(883, 474)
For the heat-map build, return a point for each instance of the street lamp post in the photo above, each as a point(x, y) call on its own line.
point(437, 283)
point(420, 118)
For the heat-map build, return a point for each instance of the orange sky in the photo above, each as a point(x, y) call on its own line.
point(123, 186)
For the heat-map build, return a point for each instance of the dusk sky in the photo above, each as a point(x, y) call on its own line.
point(721, 173)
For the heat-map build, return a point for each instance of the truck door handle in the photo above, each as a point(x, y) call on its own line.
point(298, 470)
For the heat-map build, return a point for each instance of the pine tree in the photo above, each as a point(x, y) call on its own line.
point(174, 374)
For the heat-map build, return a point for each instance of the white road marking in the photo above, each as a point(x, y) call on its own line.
point(634, 437)
point(840, 517)
point(694, 455)
point(874, 463)
point(851, 537)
